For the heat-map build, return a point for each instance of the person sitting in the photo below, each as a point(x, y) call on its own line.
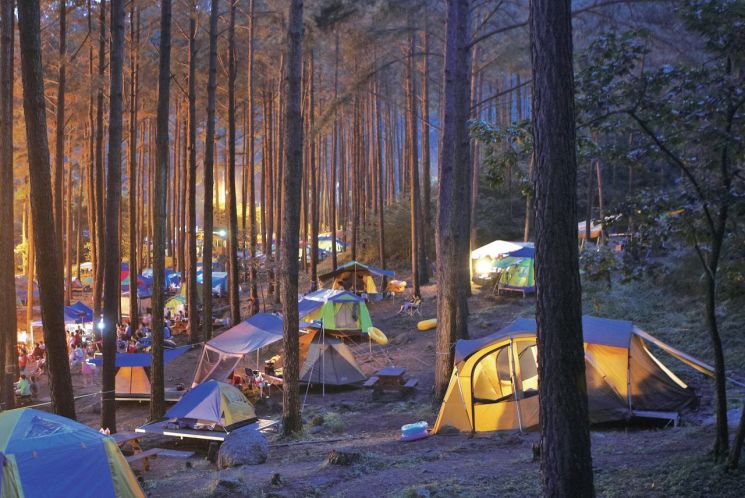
point(77, 356)
point(132, 346)
point(23, 387)
point(38, 353)
point(34, 387)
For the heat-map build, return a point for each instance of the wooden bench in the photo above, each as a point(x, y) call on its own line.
point(411, 383)
point(371, 381)
point(145, 457)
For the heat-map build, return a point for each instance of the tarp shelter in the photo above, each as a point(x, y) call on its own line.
point(339, 311)
point(354, 276)
point(517, 270)
point(328, 361)
point(219, 282)
point(48, 455)
point(494, 384)
point(495, 249)
point(84, 311)
point(133, 373)
point(213, 405)
point(326, 243)
point(222, 354)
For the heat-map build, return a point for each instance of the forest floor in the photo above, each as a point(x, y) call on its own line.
point(629, 460)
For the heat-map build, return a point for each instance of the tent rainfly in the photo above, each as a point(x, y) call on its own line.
point(42, 454)
point(213, 406)
point(222, 354)
point(133, 373)
point(327, 361)
point(355, 276)
point(494, 385)
point(337, 311)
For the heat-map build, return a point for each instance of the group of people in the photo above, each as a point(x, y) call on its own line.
point(139, 339)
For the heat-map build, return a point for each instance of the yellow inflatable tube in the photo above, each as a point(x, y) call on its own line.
point(427, 324)
point(377, 336)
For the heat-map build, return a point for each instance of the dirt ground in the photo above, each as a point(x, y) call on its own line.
point(629, 460)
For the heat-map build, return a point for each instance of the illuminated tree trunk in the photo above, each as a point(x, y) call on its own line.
point(59, 152)
point(8, 325)
point(99, 166)
point(192, 295)
point(134, 86)
point(49, 265)
point(251, 164)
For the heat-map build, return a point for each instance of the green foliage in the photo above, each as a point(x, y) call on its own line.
point(598, 264)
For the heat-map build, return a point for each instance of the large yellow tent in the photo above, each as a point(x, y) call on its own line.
point(494, 384)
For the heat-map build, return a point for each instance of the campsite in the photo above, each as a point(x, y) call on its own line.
point(380, 248)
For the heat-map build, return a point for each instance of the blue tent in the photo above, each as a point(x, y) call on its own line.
point(214, 404)
point(48, 455)
point(219, 282)
point(84, 311)
point(143, 359)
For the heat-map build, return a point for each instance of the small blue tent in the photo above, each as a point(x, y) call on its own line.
point(43, 454)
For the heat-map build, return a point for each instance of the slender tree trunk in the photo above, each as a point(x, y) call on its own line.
point(59, 152)
point(335, 156)
point(49, 265)
point(453, 201)
point(192, 296)
point(100, 173)
point(426, 166)
point(381, 183)
point(566, 461)
point(113, 200)
point(68, 239)
point(314, 187)
point(8, 321)
point(251, 163)
point(417, 272)
point(233, 276)
point(134, 88)
point(291, 419)
point(209, 155)
point(157, 396)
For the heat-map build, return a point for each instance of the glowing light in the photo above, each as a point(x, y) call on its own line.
point(484, 266)
point(101, 325)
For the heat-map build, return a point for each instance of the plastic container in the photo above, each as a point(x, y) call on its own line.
point(415, 431)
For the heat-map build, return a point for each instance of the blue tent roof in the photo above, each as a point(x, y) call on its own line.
point(595, 330)
point(524, 252)
point(58, 456)
point(143, 359)
point(85, 312)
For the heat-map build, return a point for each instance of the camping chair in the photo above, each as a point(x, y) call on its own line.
point(411, 307)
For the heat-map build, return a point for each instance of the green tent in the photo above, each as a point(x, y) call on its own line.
point(335, 310)
point(517, 271)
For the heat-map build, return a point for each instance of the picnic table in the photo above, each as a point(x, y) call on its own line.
point(132, 439)
point(390, 379)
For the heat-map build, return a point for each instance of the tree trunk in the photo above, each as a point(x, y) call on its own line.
point(233, 283)
point(426, 166)
point(416, 253)
point(8, 325)
point(134, 88)
point(68, 237)
point(314, 194)
point(291, 419)
point(335, 157)
point(157, 396)
point(112, 264)
point(49, 265)
point(209, 157)
point(59, 152)
point(100, 173)
point(453, 202)
point(192, 296)
point(251, 164)
point(566, 461)
point(529, 200)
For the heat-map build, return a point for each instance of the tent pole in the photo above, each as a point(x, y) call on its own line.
point(323, 361)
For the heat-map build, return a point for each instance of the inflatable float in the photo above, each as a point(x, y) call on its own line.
point(427, 324)
point(377, 336)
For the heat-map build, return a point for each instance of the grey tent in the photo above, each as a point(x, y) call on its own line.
point(327, 360)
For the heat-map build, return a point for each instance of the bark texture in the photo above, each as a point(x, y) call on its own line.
point(566, 461)
point(453, 203)
point(48, 264)
point(291, 419)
